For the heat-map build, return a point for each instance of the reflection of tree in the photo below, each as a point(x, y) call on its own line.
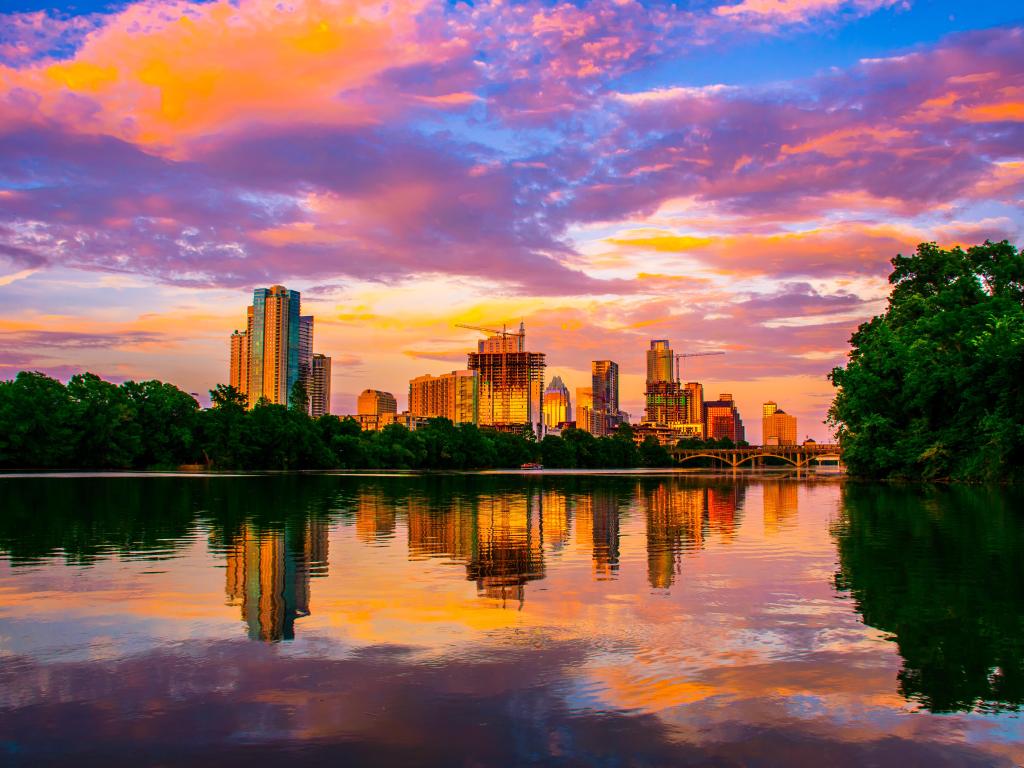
point(780, 505)
point(88, 518)
point(941, 569)
point(268, 574)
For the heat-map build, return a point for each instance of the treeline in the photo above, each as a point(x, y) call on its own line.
point(90, 423)
point(934, 388)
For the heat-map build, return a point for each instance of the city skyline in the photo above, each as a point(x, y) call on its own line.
point(730, 175)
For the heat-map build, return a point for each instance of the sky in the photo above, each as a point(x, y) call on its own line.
point(729, 175)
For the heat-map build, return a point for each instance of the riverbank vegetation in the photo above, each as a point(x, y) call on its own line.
point(90, 423)
point(934, 387)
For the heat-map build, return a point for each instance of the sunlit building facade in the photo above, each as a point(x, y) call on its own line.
point(585, 409)
point(320, 386)
point(373, 402)
point(605, 393)
point(454, 396)
point(694, 393)
point(238, 375)
point(722, 420)
point(306, 352)
point(664, 401)
point(660, 359)
point(511, 382)
point(557, 404)
point(777, 426)
point(274, 348)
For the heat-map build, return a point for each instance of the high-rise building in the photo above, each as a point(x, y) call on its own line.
point(320, 386)
point(306, 352)
point(511, 381)
point(557, 404)
point(721, 419)
point(659, 362)
point(373, 402)
point(665, 403)
point(276, 349)
point(605, 389)
point(239, 372)
point(585, 409)
point(777, 426)
point(453, 396)
point(694, 392)
point(274, 346)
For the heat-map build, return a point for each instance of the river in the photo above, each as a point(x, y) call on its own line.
point(509, 619)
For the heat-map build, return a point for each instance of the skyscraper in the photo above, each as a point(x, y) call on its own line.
point(721, 419)
point(605, 389)
point(777, 426)
point(665, 403)
point(238, 375)
point(274, 347)
point(454, 396)
point(557, 405)
point(320, 386)
point(659, 362)
point(584, 409)
point(511, 380)
point(694, 392)
point(306, 352)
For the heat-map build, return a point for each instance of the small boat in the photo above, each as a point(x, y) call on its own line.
point(531, 465)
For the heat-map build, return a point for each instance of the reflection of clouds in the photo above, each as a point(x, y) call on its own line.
point(380, 706)
point(751, 651)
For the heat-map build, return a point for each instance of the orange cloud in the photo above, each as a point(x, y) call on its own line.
point(163, 73)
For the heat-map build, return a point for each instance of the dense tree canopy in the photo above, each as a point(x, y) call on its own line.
point(94, 424)
point(934, 388)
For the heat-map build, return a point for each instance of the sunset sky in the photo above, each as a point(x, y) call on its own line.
point(727, 175)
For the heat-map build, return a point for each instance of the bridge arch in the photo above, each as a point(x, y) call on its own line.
point(753, 456)
point(689, 456)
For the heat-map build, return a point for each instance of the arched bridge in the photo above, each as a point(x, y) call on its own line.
point(799, 456)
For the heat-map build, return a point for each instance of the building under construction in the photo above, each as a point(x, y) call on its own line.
point(511, 381)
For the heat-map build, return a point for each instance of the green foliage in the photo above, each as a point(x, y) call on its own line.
point(94, 424)
point(653, 453)
point(934, 388)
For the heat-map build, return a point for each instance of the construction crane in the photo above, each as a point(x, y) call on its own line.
point(503, 332)
point(692, 354)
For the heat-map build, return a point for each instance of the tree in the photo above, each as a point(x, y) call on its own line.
point(934, 388)
point(298, 398)
point(36, 427)
point(167, 420)
point(653, 453)
point(104, 417)
point(223, 429)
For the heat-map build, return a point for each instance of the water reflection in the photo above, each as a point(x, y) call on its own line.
point(655, 595)
point(942, 571)
point(268, 575)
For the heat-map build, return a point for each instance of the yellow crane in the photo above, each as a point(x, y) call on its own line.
point(692, 354)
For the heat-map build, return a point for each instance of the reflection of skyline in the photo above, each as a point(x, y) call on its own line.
point(597, 516)
point(510, 548)
point(780, 506)
point(268, 576)
point(679, 519)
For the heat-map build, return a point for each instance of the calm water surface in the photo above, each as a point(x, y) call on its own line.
point(508, 620)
